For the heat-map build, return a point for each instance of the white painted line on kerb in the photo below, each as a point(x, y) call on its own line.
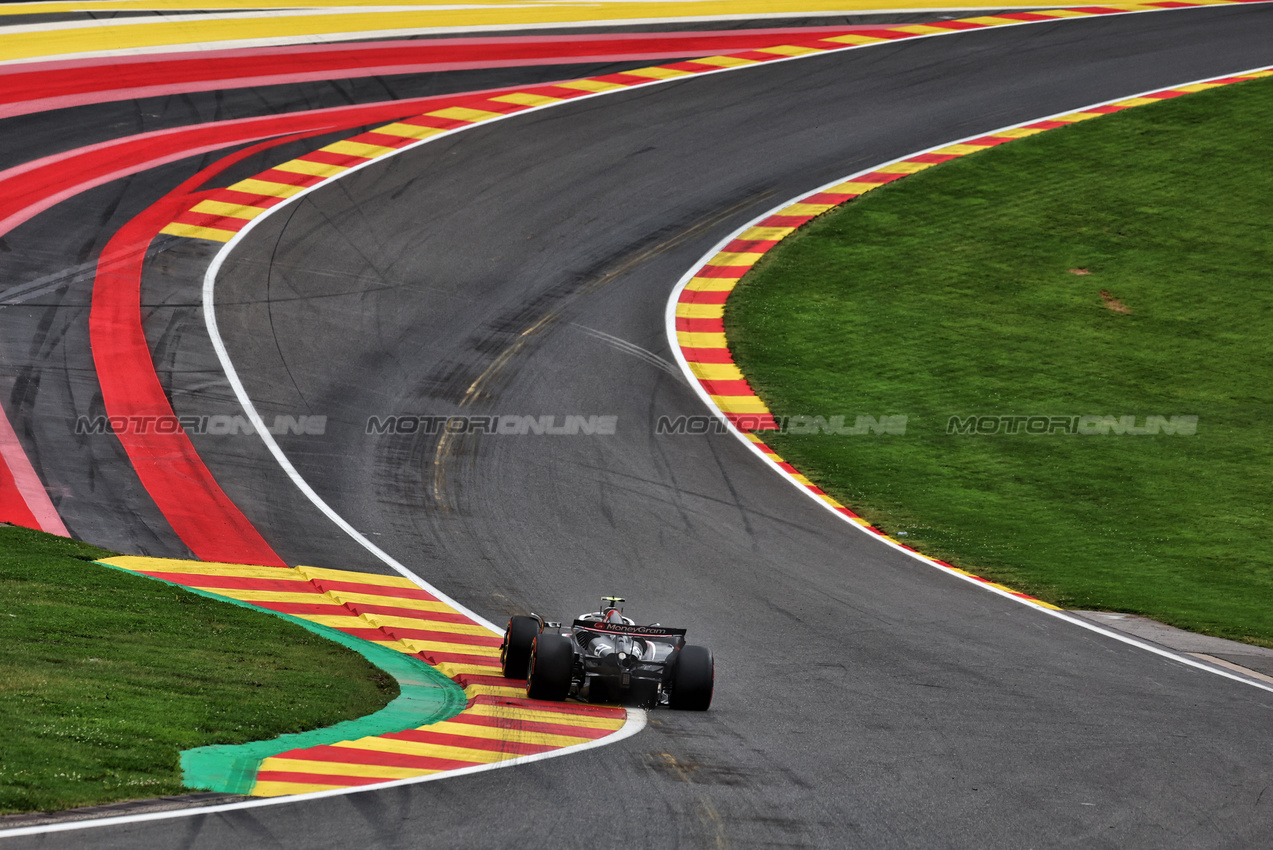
point(669, 319)
point(634, 723)
point(210, 320)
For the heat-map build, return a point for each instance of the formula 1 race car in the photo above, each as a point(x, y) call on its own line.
point(606, 657)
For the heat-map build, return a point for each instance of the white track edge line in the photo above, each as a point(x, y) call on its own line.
point(670, 328)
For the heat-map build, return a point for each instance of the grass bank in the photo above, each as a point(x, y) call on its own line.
point(106, 677)
point(1117, 267)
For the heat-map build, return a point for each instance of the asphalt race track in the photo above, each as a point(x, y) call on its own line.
point(523, 267)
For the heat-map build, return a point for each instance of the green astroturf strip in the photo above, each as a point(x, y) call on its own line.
point(1118, 267)
point(106, 678)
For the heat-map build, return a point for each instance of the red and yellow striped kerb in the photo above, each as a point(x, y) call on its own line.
point(221, 213)
point(700, 328)
point(498, 722)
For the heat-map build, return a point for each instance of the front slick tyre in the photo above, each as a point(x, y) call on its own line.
point(692, 680)
point(551, 659)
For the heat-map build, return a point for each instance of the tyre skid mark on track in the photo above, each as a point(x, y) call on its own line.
point(696, 331)
point(498, 723)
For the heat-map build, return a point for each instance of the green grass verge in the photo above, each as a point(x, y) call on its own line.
point(950, 293)
point(106, 677)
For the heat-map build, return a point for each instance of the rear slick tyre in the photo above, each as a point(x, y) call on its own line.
point(693, 680)
point(514, 654)
point(551, 660)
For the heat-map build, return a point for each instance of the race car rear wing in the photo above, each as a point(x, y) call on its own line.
point(625, 629)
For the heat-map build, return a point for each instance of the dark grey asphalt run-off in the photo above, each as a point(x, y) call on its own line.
point(863, 699)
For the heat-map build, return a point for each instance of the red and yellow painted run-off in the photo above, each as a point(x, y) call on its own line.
point(498, 722)
point(700, 303)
